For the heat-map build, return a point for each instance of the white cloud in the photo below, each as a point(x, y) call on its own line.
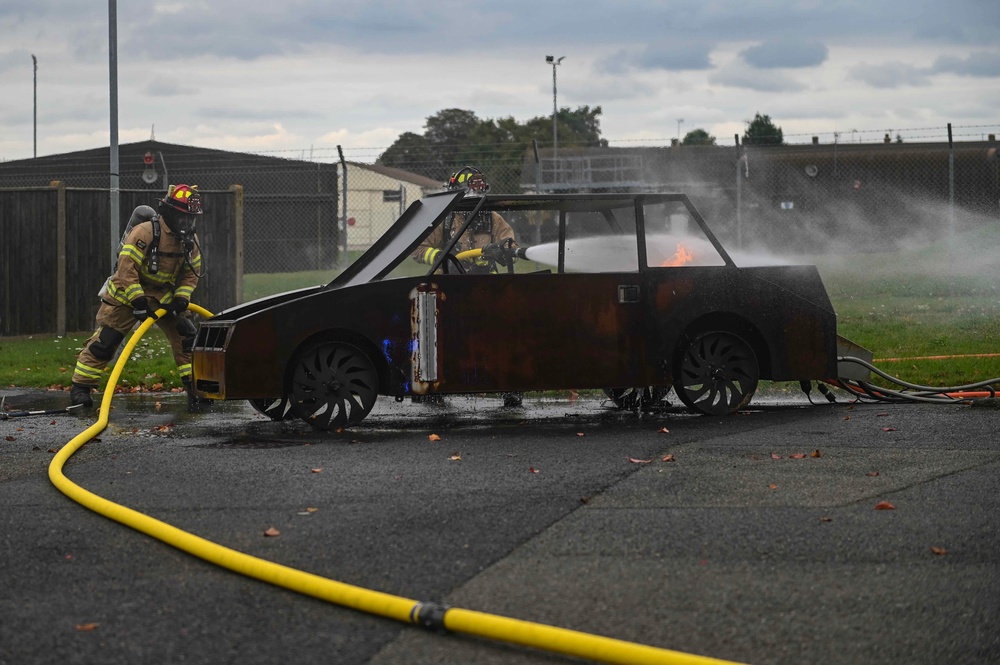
point(891, 75)
point(786, 53)
point(248, 74)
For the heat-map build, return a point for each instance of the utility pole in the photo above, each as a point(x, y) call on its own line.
point(679, 122)
point(555, 114)
point(114, 195)
point(35, 126)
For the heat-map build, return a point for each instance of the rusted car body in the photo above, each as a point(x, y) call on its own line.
point(633, 292)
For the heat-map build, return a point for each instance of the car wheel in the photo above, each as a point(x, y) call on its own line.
point(333, 385)
point(630, 399)
point(275, 408)
point(717, 373)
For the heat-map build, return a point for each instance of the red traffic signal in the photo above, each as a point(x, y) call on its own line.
point(147, 158)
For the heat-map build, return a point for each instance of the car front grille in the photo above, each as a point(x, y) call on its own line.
point(212, 337)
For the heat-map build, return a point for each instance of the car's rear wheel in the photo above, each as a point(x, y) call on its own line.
point(275, 408)
point(642, 398)
point(333, 385)
point(716, 373)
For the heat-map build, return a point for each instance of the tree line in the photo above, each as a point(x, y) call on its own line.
point(453, 138)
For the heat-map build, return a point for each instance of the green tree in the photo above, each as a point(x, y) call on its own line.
point(698, 137)
point(761, 131)
point(454, 138)
point(410, 152)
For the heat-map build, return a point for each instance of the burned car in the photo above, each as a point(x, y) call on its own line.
point(632, 293)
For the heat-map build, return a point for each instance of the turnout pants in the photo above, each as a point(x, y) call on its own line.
point(114, 322)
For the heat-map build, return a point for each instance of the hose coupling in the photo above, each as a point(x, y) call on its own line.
point(429, 616)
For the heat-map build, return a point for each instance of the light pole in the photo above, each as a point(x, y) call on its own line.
point(35, 123)
point(114, 195)
point(679, 122)
point(555, 111)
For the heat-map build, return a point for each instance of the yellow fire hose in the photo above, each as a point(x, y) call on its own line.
point(428, 615)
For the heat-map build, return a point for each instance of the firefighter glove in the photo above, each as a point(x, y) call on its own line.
point(493, 252)
point(140, 308)
point(177, 305)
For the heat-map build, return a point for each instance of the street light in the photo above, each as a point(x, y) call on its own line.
point(555, 136)
point(35, 125)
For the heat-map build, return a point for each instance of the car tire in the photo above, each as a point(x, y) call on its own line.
point(275, 408)
point(333, 385)
point(716, 373)
point(639, 398)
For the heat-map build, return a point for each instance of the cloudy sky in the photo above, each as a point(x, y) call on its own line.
point(300, 77)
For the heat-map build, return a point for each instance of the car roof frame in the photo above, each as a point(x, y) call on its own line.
point(375, 263)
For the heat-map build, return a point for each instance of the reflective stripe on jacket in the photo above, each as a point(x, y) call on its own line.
point(173, 278)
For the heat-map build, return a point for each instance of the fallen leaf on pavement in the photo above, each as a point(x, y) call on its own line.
point(825, 519)
point(456, 457)
point(798, 456)
point(668, 458)
point(775, 456)
point(940, 551)
point(434, 437)
point(772, 486)
point(532, 469)
point(663, 430)
point(847, 417)
point(888, 429)
point(884, 505)
point(86, 627)
point(873, 473)
point(9, 438)
point(318, 469)
point(579, 433)
point(635, 460)
point(272, 533)
point(815, 453)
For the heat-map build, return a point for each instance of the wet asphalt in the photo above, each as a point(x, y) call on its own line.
point(753, 538)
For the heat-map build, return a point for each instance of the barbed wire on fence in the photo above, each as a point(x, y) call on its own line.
point(299, 216)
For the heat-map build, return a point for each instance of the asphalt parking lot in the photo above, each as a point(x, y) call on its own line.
point(764, 537)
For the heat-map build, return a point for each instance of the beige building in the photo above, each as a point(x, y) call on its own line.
point(375, 197)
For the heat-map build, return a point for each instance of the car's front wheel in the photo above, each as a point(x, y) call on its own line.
point(639, 398)
point(275, 408)
point(333, 384)
point(716, 373)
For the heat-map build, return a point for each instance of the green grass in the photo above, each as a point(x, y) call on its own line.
point(933, 301)
point(47, 361)
point(260, 285)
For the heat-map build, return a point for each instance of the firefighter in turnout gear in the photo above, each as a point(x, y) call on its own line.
point(490, 231)
point(158, 266)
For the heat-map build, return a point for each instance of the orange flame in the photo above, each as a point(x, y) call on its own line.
point(681, 257)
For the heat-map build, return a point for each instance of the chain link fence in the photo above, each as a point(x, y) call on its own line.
point(315, 213)
point(291, 216)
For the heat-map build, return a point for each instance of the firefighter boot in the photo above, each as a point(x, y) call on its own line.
point(195, 403)
point(80, 395)
point(513, 400)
